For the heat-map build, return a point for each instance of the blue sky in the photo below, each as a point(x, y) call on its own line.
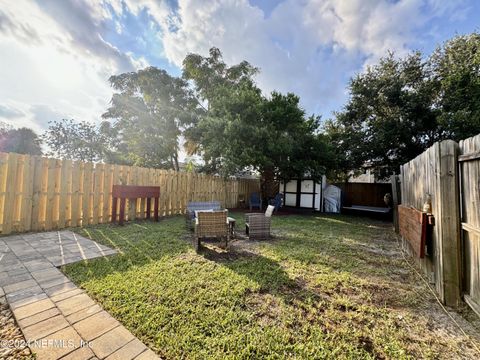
point(56, 55)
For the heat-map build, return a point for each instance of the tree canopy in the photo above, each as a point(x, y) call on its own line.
point(455, 69)
point(401, 106)
point(241, 128)
point(149, 112)
point(20, 141)
point(69, 139)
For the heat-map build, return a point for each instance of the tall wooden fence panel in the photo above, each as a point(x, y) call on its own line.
point(364, 194)
point(433, 177)
point(469, 164)
point(38, 193)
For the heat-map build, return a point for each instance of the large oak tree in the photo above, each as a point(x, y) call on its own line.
point(241, 128)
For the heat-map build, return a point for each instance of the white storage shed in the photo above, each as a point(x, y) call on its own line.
point(303, 193)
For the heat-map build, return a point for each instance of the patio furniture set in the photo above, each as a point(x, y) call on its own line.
point(209, 220)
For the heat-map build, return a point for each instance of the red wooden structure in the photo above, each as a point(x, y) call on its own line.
point(414, 227)
point(124, 192)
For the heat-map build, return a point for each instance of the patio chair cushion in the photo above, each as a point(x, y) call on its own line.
point(194, 206)
point(197, 211)
point(205, 205)
point(269, 211)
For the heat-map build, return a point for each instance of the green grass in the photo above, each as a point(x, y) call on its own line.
point(324, 287)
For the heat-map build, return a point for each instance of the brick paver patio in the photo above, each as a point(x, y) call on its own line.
point(60, 320)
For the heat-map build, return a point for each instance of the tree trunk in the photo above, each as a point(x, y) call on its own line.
point(268, 185)
point(175, 158)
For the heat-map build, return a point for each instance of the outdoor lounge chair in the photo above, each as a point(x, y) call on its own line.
point(193, 206)
point(255, 201)
point(210, 224)
point(257, 226)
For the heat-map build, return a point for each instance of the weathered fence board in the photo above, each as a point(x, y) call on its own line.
point(39, 193)
point(469, 167)
point(433, 177)
point(413, 228)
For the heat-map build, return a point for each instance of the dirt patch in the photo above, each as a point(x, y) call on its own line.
point(367, 344)
point(405, 293)
point(214, 252)
point(266, 307)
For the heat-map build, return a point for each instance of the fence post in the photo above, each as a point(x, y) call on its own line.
point(449, 220)
point(395, 200)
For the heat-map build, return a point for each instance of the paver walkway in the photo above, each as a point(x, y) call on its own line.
point(60, 320)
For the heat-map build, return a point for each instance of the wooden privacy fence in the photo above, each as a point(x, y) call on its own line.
point(364, 194)
point(38, 193)
point(432, 177)
point(448, 176)
point(469, 166)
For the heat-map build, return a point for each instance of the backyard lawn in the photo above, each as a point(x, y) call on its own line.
point(322, 287)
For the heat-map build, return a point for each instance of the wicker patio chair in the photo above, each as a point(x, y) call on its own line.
point(193, 206)
point(257, 226)
point(210, 224)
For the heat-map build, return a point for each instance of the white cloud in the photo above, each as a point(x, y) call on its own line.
point(54, 62)
point(308, 47)
point(8, 112)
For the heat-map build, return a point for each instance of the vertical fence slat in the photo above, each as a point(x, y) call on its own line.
point(57, 192)
point(37, 193)
point(107, 199)
point(65, 193)
point(77, 174)
point(10, 194)
point(27, 201)
point(3, 183)
point(87, 193)
point(97, 198)
point(18, 193)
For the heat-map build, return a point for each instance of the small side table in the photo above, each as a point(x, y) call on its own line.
point(231, 226)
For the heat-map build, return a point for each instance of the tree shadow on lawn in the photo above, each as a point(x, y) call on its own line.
point(286, 302)
point(339, 255)
point(274, 283)
point(344, 243)
point(266, 272)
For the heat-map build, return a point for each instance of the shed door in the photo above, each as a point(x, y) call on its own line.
point(290, 193)
point(307, 193)
point(300, 193)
